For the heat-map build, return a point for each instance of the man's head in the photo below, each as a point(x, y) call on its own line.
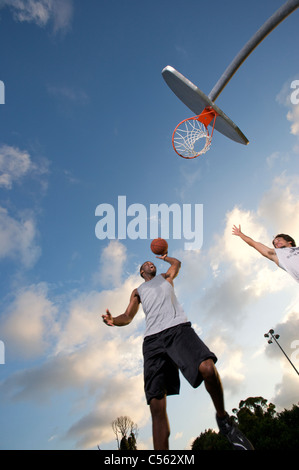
point(147, 269)
point(283, 241)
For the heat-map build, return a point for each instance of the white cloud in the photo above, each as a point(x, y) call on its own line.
point(193, 270)
point(293, 117)
point(286, 391)
point(288, 331)
point(127, 396)
point(111, 264)
point(231, 249)
point(279, 207)
point(82, 322)
point(232, 374)
point(275, 157)
point(18, 233)
point(29, 323)
point(18, 238)
point(14, 164)
point(42, 12)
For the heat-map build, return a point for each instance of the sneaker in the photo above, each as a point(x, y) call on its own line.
point(228, 428)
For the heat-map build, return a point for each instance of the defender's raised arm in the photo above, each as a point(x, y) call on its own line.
point(262, 249)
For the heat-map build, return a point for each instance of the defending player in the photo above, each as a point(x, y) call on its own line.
point(285, 253)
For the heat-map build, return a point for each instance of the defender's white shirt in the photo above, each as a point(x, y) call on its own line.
point(288, 259)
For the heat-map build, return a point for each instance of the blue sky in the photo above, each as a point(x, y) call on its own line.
point(88, 118)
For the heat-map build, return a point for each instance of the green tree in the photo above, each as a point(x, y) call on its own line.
point(262, 424)
point(210, 440)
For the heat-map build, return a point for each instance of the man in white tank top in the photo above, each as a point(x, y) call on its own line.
point(285, 253)
point(170, 344)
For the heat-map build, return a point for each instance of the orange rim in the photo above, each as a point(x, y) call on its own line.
point(205, 118)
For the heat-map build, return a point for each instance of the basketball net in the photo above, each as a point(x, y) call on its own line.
point(191, 137)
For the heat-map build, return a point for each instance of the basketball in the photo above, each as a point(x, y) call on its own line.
point(159, 246)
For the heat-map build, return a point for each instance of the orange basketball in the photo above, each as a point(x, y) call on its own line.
point(159, 246)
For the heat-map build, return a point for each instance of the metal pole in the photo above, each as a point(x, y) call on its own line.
point(274, 337)
point(267, 27)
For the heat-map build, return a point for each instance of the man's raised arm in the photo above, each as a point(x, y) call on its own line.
point(174, 268)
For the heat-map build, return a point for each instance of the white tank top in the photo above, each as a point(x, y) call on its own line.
point(160, 305)
point(288, 259)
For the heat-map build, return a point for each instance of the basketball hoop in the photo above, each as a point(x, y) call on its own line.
point(186, 138)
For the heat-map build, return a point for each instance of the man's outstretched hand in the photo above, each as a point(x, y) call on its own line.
point(108, 318)
point(236, 231)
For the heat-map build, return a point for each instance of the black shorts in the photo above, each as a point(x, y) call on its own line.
point(167, 352)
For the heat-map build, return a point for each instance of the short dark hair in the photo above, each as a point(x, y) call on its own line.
point(141, 268)
point(287, 238)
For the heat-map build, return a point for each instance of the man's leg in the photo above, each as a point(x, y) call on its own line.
point(226, 426)
point(161, 430)
point(213, 385)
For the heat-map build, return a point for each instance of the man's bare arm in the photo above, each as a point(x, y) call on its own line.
point(126, 317)
point(262, 249)
point(174, 268)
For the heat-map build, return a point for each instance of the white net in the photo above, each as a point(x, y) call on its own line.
point(191, 138)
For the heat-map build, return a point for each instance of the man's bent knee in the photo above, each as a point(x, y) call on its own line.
point(158, 406)
point(207, 369)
